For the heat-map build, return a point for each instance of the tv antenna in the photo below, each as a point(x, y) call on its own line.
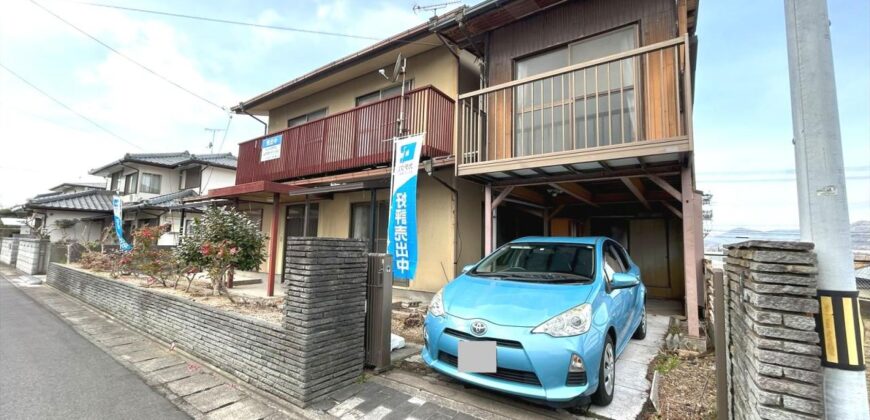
point(211, 143)
point(433, 7)
point(398, 70)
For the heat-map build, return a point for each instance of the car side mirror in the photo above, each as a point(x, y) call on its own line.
point(623, 281)
point(467, 268)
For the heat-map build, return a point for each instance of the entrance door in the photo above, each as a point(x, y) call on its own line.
point(649, 250)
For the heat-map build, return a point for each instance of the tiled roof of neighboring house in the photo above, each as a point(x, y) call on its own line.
point(173, 160)
point(48, 194)
point(93, 185)
point(862, 277)
point(92, 200)
point(166, 201)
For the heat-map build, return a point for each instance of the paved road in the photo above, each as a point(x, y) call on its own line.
point(48, 371)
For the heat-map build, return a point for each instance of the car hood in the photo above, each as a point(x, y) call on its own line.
point(513, 303)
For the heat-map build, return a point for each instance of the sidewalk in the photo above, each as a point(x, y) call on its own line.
point(204, 392)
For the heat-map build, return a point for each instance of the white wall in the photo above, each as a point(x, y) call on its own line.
point(82, 231)
point(216, 178)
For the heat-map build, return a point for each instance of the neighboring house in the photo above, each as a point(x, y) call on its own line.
point(79, 216)
point(579, 123)
point(151, 186)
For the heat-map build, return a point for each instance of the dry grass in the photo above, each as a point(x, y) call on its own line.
point(688, 386)
point(411, 331)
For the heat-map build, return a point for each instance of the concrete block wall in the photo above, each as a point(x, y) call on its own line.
point(325, 310)
point(32, 255)
point(774, 352)
point(9, 250)
point(318, 347)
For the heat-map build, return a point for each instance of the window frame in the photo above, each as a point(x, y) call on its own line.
point(131, 183)
point(308, 117)
point(115, 180)
point(569, 99)
point(409, 86)
point(381, 206)
point(150, 176)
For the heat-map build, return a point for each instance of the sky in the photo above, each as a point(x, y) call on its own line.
point(743, 131)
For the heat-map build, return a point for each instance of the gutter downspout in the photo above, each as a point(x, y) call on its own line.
point(265, 125)
point(457, 238)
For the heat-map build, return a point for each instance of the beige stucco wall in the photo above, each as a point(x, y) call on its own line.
point(437, 216)
point(437, 67)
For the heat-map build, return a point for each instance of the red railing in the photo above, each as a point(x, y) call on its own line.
point(357, 138)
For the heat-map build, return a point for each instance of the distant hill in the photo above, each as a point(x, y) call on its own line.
point(860, 232)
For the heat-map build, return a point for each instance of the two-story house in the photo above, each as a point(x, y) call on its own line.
point(151, 185)
point(541, 118)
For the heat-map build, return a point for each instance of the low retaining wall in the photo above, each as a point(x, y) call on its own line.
point(32, 255)
point(9, 250)
point(314, 351)
point(775, 369)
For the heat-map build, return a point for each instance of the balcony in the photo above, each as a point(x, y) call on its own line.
point(628, 110)
point(355, 139)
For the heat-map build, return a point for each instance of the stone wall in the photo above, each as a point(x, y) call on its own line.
point(774, 347)
point(32, 255)
point(318, 347)
point(9, 250)
point(325, 309)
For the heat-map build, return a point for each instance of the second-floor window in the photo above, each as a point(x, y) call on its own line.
point(592, 107)
point(151, 183)
point(306, 118)
point(115, 181)
point(131, 183)
point(385, 93)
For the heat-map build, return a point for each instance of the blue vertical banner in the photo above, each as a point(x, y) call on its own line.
point(402, 228)
point(119, 224)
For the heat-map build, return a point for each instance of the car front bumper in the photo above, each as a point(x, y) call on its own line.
point(529, 365)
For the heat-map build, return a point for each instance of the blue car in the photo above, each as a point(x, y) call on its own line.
point(552, 313)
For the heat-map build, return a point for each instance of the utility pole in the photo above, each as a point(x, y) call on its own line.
point(824, 214)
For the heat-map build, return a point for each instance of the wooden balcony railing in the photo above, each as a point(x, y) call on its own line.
point(642, 95)
point(358, 138)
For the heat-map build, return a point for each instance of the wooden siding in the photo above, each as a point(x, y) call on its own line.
point(658, 103)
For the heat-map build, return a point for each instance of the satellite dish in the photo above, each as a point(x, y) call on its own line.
point(399, 68)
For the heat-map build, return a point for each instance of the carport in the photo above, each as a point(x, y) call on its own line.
point(647, 203)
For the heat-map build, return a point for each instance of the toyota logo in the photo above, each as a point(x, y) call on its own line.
point(478, 327)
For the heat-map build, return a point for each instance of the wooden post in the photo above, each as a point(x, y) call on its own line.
point(690, 250)
point(487, 219)
point(230, 275)
point(273, 244)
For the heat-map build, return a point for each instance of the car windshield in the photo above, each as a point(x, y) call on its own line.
point(544, 262)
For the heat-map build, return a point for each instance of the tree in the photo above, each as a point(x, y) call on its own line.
point(223, 239)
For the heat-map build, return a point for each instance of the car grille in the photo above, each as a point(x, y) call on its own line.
point(519, 376)
point(498, 341)
point(576, 378)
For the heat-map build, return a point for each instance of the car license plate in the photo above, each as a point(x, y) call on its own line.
point(477, 356)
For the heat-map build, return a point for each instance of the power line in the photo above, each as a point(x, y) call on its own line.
point(57, 101)
point(240, 23)
point(126, 57)
point(226, 131)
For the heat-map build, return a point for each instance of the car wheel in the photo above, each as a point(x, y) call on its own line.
point(640, 333)
point(606, 375)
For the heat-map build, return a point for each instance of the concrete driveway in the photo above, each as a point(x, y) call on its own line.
point(632, 387)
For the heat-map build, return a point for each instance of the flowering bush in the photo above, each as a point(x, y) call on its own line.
point(223, 239)
point(95, 260)
point(157, 265)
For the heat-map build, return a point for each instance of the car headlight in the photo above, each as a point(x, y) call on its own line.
point(436, 307)
point(574, 321)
